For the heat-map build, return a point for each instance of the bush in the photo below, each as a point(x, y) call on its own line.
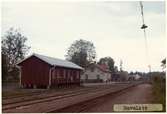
point(159, 90)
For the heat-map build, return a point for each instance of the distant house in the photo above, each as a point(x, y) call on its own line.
point(124, 75)
point(96, 73)
point(120, 76)
point(134, 77)
point(116, 77)
point(43, 71)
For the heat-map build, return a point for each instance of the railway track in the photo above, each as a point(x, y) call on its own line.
point(26, 94)
point(82, 107)
point(36, 92)
point(37, 96)
point(48, 98)
point(41, 95)
point(85, 106)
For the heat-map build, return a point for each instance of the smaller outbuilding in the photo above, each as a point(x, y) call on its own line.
point(43, 71)
point(96, 73)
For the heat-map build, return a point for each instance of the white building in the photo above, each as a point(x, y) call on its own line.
point(96, 73)
point(134, 77)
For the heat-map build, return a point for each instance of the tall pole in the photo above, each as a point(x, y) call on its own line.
point(145, 36)
point(121, 65)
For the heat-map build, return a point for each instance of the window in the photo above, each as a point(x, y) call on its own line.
point(71, 78)
point(58, 73)
point(74, 73)
point(69, 72)
point(53, 75)
point(92, 69)
point(55, 72)
point(64, 73)
point(98, 77)
point(77, 74)
point(61, 72)
point(86, 77)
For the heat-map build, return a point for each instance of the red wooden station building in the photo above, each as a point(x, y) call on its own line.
point(43, 71)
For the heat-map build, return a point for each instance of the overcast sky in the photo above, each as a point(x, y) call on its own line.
point(113, 27)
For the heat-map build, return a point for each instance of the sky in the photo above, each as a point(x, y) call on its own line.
point(113, 27)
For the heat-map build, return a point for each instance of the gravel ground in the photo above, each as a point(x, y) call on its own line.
point(64, 102)
point(141, 94)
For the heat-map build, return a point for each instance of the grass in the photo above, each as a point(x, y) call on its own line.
point(18, 92)
point(8, 94)
point(159, 91)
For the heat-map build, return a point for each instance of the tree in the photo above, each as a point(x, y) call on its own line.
point(163, 63)
point(131, 73)
point(14, 49)
point(4, 67)
point(81, 52)
point(115, 69)
point(108, 61)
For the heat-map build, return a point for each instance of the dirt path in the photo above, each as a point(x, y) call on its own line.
point(135, 95)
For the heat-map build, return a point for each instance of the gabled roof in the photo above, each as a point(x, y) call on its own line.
point(55, 61)
point(103, 67)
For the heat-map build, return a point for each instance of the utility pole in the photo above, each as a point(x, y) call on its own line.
point(121, 65)
point(149, 66)
point(144, 26)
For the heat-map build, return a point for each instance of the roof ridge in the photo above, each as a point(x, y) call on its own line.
point(46, 56)
point(55, 61)
point(99, 66)
point(54, 58)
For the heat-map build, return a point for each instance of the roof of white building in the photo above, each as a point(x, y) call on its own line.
point(55, 61)
point(102, 67)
